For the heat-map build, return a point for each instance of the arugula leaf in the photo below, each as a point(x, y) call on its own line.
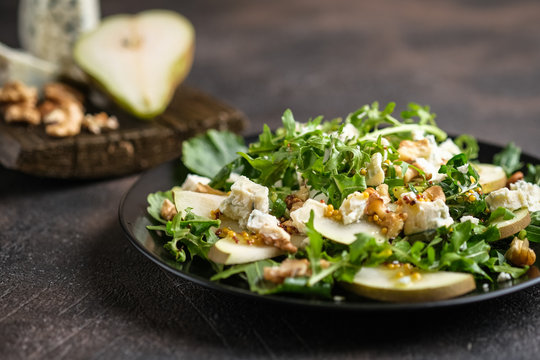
point(508, 159)
point(533, 174)
point(187, 231)
point(155, 202)
point(254, 275)
point(206, 154)
point(502, 212)
point(289, 124)
point(465, 248)
point(533, 230)
point(468, 146)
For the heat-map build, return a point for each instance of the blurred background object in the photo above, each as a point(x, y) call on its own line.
point(48, 29)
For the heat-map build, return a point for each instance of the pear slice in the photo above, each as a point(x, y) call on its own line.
point(332, 229)
point(200, 203)
point(382, 283)
point(138, 59)
point(510, 227)
point(492, 177)
point(227, 251)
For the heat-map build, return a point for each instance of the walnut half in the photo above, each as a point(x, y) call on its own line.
point(18, 103)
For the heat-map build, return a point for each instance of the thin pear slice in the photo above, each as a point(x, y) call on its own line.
point(382, 283)
point(510, 227)
point(331, 229)
point(492, 177)
point(139, 59)
point(227, 251)
point(200, 203)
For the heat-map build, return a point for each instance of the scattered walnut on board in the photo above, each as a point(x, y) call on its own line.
point(18, 103)
point(17, 92)
point(61, 111)
point(64, 121)
point(99, 122)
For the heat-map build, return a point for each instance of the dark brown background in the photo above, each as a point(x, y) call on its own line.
point(71, 286)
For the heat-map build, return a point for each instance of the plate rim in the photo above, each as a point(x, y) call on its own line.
point(303, 302)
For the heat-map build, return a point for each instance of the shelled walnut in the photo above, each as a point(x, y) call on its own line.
point(64, 121)
point(99, 122)
point(61, 110)
point(18, 103)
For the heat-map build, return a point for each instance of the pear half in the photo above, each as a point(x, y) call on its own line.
point(139, 60)
point(382, 283)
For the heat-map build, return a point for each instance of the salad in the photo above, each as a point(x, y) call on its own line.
point(381, 205)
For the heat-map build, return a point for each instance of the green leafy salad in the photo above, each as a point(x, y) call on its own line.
point(381, 205)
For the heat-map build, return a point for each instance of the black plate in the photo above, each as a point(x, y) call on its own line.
point(134, 219)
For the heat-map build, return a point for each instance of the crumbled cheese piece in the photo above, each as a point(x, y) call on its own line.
point(191, 182)
point(353, 207)
point(424, 215)
point(504, 277)
point(440, 154)
point(447, 149)
point(510, 199)
point(472, 219)
point(485, 287)
point(418, 134)
point(375, 172)
point(349, 132)
point(244, 197)
point(267, 225)
point(431, 170)
point(404, 281)
point(463, 168)
point(531, 194)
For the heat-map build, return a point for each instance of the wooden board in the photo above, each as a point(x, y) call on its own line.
point(135, 146)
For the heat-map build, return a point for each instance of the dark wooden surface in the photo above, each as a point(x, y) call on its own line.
point(135, 146)
point(72, 287)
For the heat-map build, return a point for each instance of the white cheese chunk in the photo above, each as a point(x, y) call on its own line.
point(431, 170)
point(266, 225)
point(353, 207)
point(447, 149)
point(375, 172)
point(531, 194)
point(472, 219)
point(244, 197)
point(191, 182)
point(463, 168)
point(425, 215)
point(418, 134)
point(509, 199)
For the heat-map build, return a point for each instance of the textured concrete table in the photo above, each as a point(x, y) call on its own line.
point(71, 286)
